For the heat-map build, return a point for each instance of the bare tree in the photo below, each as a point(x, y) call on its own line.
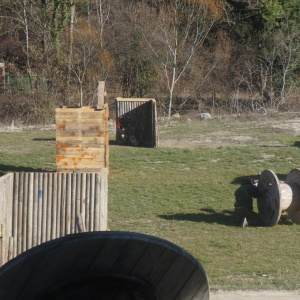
point(103, 8)
point(19, 17)
point(281, 61)
point(280, 49)
point(86, 54)
point(178, 32)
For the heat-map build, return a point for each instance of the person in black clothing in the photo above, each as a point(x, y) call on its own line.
point(243, 206)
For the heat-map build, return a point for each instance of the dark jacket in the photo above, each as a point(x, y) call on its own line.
point(244, 195)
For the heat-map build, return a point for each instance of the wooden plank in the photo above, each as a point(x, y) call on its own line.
point(10, 249)
point(8, 230)
point(80, 163)
point(90, 146)
point(3, 212)
point(101, 93)
point(92, 116)
point(25, 212)
point(79, 223)
point(15, 212)
point(180, 271)
point(74, 202)
point(83, 143)
point(40, 209)
point(87, 203)
point(92, 202)
point(77, 110)
point(69, 113)
point(77, 200)
point(44, 207)
point(82, 209)
point(68, 204)
point(97, 201)
point(20, 213)
point(2, 251)
point(87, 256)
point(92, 169)
point(89, 169)
point(63, 205)
point(49, 206)
point(54, 206)
point(103, 199)
point(196, 286)
point(75, 122)
point(36, 283)
point(161, 265)
point(78, 135)
point(79, 154)
point(79, 140)
point(130, 256)
point(106, 140)
point(84, 125)
point(35, 210)
point(30, 210)
point(120, 99)
point(58, 205)
point(108, 255)
point(82, 108)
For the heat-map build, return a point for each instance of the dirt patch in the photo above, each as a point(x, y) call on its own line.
point(249, 133)
point(211, 139)
point(253, 295)
point(214, 140)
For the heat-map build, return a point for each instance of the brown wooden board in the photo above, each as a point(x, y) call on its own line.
point(82, 139)
point(293, 180)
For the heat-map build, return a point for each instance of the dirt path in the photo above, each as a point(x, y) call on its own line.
point(226, 136)
point(265, 295)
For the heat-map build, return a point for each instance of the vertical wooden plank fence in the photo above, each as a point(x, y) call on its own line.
point(38, 207)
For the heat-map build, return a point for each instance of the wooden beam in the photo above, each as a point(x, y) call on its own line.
point(101, 93)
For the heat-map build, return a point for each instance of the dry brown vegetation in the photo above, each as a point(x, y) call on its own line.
point(210, 55)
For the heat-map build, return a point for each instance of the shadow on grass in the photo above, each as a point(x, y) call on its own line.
point(11, 169)
point(44, 139)
point(210, 216)
point(296, 144)
point(113, 142)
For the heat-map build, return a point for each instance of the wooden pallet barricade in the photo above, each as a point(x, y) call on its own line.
point(82, 141)
point(136, 122)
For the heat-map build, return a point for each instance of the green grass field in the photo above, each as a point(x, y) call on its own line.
point(184, 193)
